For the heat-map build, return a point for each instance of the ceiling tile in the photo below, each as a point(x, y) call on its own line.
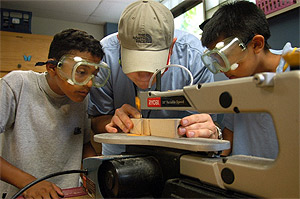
point(84, 11)
point(115, 7)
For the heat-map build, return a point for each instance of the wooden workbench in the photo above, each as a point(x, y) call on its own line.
point(74, 193)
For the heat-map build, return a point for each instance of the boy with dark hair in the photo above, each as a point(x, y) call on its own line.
point(43, 117)
point(236, 37)
point(240, 19)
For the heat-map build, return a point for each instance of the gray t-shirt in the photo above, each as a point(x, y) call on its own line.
point(43, 132)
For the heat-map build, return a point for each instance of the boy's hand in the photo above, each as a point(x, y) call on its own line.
point(43, 189)
point(121, 119)
point(198, 125)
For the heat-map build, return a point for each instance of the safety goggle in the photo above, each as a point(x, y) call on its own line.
point(225, 55)
point(78, 71)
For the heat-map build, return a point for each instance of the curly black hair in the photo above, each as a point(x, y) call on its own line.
point(71, 39)
point(239, 19)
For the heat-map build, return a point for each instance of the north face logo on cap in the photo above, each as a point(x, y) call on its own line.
point(143, 38)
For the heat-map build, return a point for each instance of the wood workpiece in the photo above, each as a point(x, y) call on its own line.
point(156, 127)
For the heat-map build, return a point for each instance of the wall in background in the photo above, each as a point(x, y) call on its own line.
point(110, 28)
point(285, 27)
point(45, 26)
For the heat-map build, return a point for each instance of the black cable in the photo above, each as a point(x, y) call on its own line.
point(4, 195)
point(46, 177)
point(53, 62)
point(158, 82)
point(148, 114)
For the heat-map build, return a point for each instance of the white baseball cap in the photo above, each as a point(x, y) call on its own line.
point(146, 31)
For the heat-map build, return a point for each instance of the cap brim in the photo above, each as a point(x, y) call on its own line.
point(140, 60)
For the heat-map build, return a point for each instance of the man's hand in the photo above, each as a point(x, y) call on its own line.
point(198, 125)
point(43, 189)
point(121, 119)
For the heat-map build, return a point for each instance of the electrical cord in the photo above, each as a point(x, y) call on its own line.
point(171, 65)
point(44, 178)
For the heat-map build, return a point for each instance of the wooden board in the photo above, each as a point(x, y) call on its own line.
point(156, 127)
point(74, 193)
point(191, 144)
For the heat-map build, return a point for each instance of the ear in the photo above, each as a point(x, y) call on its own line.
point(258, 43)
point(51, 69)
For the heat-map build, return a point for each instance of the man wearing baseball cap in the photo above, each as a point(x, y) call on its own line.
point(146, 42)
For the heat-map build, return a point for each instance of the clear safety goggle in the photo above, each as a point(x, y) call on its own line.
point(78, 71)
point(225, 55)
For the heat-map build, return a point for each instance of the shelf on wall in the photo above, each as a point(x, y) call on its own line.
point(291, 7)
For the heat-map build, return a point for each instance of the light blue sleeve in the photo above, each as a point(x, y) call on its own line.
point(101, 100)
point(188, 51)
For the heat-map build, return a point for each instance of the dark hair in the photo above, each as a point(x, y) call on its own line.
point(239, 19)
point(71, 39)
